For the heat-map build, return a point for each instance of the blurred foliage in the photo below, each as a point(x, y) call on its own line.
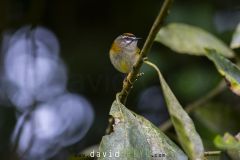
point(229, 143)
point(226, 68)
point(86, 29)
point(187, 39)
point(216, 118)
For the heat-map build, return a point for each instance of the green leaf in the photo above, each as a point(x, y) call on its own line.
point(134, 137)
point(229, 143)
point(183, 124)
point(226, 68)
point(189, 39)
point(235, 43)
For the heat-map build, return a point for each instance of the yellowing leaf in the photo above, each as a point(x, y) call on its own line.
point(229, 143)
point(189, 39)
point(136, 138)
point(226, 68)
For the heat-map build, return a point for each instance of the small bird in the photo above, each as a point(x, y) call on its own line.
point(124, 52)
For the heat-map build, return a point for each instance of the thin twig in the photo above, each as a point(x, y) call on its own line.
point(189, 108)
point(132, 76)
point(212, 153)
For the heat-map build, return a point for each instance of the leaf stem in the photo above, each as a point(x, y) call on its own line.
point(191, 107)
point(153, 66)
point(132, 76)
point(212, 153)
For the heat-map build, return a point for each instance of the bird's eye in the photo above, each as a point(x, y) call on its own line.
point(128, 38)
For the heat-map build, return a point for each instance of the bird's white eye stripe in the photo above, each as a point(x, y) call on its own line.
point(128, 38)
point(125, 37)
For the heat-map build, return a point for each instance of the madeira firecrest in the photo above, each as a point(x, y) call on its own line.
point(124, 52)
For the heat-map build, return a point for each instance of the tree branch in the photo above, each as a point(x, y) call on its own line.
point(132, 76)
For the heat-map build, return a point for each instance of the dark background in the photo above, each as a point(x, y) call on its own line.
point(86, 29)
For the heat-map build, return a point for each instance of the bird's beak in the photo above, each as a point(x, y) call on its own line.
point(137, 38)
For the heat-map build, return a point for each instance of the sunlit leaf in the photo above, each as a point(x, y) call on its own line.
point(134, 137)
point(235, 43)
point(183, 124)
point(226, 68)
point(229, 143)
point(189, 39)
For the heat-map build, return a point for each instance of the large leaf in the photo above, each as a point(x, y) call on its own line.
point(226, 68)
point(183, 124)
point(134, 137)
point(189, 39)
point(229, 143)
point(235, 43)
